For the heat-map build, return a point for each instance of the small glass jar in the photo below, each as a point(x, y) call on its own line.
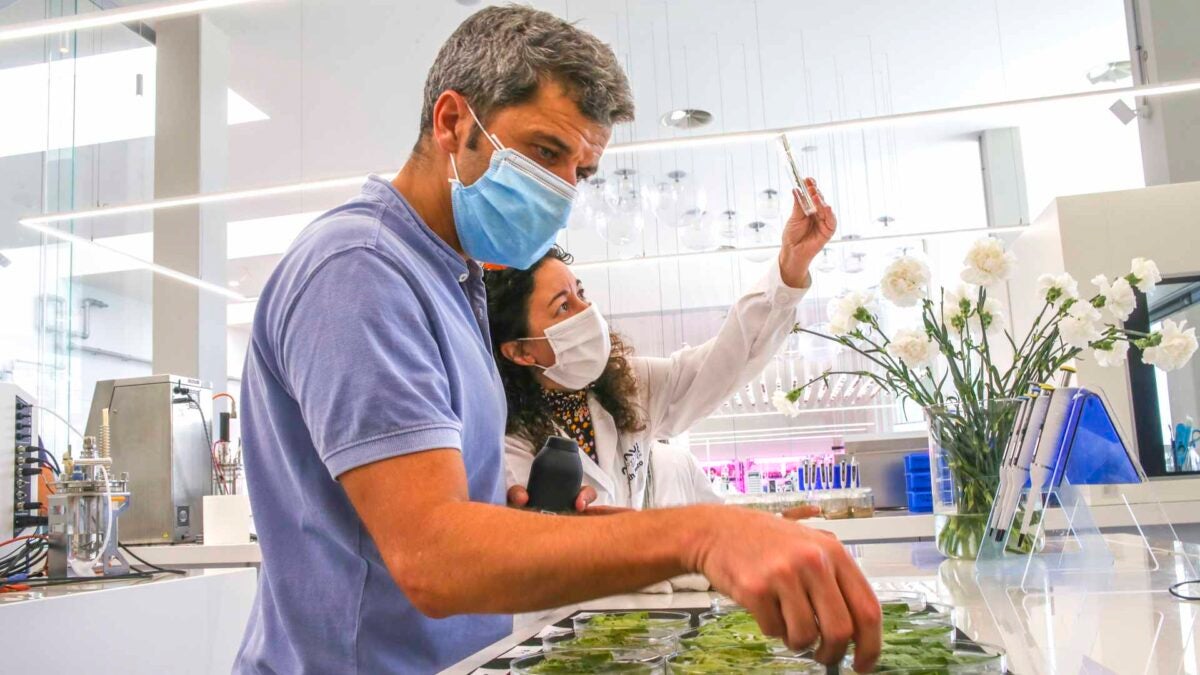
point(862, 503)
point(835, 507)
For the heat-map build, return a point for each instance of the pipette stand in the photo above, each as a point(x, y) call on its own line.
point(1096, 481)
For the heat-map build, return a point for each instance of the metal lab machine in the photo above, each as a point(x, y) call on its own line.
point(160, 424)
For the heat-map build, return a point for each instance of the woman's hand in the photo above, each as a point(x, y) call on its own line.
point(519, 496)
point(804, 237)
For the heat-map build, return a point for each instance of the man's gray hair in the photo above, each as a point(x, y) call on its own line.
point(499, 55)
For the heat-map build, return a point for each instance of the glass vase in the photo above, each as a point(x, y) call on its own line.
point(966, 444)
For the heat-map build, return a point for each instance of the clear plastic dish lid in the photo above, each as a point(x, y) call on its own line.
point(954, 658)
point(640, 622)
point(621, 644)
point(913, 599)
point(582, 663)
point(697, 662)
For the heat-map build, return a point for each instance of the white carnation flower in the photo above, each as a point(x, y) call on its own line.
point(1057, 288)
point(784, 405)
point(846, 312)
point(1144, 274)
point(956, 305)
point(987, 262)
point(1113, 356)
point(904, 281)
point(1081, 326)
point(993, 312)
point(1119, 300)
point(1175, 347)
point(913, 348)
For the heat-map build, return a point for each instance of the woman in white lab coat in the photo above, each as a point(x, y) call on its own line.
point(566, 374)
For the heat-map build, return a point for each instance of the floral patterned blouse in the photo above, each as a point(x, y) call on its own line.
point(571, 413)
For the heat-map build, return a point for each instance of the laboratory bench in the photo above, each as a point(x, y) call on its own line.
point(187, 624)
point(1121, 620)
point(1179, 499)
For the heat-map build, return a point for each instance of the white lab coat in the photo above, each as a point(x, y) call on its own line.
point(675, 393)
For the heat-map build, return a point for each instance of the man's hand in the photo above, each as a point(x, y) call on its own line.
point(799, 583)
point(804, 237)
point(519, 496)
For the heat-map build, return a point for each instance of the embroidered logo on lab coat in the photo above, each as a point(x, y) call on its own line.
point(633, 462)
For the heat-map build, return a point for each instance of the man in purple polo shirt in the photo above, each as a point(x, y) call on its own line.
point(374, 417)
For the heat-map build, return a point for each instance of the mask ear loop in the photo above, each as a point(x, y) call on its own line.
point(491, 137)
point(496, 144)
point(535, 364)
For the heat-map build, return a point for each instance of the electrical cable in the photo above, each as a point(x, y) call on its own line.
point(156, 568)
point(60, 418)
point(1174, 590)
point(207, 433)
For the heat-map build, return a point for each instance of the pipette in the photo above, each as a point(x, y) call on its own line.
point(1029, 443)
point(1008, 465)
point(806, 202)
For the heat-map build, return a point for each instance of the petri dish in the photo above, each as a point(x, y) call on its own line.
point(697, 662)
point(641, 622)
point(723, 603)
point(583, 663)
point(957, 658)
point(621, 644)
point(914, 599)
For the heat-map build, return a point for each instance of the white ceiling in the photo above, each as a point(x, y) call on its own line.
point(340, 83)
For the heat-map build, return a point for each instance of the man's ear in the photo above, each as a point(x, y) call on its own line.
point(512, 351)
point(449, 121)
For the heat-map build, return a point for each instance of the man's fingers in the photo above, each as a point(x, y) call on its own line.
point(517, 496)
point(765, 609)
point(586, 496)
point(798, 614)
point(866, 614)
point(837, 626)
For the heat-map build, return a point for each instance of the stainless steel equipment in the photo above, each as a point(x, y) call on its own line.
point(84, 510)
point(160, 425)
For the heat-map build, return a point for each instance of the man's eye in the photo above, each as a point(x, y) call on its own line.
point(546, 153)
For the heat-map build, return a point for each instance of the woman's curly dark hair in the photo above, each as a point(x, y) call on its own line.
point(508, 293)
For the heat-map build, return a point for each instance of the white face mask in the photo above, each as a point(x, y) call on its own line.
point(581, 346)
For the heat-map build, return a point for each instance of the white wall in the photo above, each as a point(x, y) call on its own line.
point(1087, 235)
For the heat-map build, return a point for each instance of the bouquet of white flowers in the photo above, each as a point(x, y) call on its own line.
point(945, 363)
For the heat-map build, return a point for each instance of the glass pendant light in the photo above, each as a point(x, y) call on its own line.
point(696, 232)
point(768, 204)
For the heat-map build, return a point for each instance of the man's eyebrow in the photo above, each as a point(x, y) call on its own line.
point(550, 139)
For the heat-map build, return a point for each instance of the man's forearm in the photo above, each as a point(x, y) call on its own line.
point(478, 558)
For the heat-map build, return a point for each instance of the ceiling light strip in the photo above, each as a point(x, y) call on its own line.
point(737, 136)
point(142, 264)
point(197, 200)
point(775, 247)
point(897, 118)
point(156, 10)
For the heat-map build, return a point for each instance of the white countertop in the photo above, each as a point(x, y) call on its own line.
point(184, 625)
point(1118, 620)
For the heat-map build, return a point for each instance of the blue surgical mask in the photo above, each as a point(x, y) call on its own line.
point(511, 215)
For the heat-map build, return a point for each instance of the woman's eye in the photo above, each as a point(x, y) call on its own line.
point(565, 307)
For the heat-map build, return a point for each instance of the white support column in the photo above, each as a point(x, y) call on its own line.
point(190, 157)
point(1163, 45)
